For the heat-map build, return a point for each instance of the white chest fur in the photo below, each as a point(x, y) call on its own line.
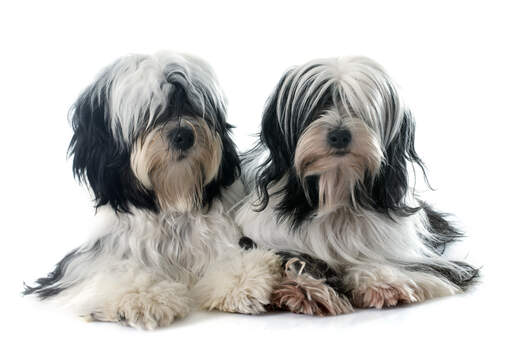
point(340, 237)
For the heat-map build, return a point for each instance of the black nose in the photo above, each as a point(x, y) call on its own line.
point(339, 138)
point(182, 138)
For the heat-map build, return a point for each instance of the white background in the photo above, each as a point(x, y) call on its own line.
point(452, 61)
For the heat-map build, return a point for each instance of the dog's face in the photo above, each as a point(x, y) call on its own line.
point(338, 136)
point(151, 133)
point(338, 149)
point(176, 160)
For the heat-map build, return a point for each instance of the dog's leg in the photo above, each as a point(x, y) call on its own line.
point(240, 282)
point(309, 286)
point(381, 286)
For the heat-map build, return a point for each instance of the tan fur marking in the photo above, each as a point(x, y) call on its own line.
point(174, 175)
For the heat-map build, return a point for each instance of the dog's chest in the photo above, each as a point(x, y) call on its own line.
point(192, 242)
point(334, 238)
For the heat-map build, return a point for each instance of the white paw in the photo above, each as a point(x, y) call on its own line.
point(242, 283)
point(156, 307)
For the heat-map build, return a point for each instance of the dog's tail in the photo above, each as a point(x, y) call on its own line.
point(443, 233)
point(68, 272)
point(52, 284)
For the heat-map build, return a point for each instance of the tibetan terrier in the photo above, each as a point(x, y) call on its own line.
point(331, 192)
point(152, 143)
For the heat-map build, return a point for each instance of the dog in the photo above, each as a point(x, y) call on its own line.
point(330, 189)
point(152, 143)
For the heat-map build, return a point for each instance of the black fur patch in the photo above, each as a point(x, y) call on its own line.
point(297, 205)
point(247, 243)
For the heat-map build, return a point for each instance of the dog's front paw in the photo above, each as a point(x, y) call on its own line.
point(155, 307)
point(384, 295)
point(301, 293)
point(242, 283)
point(149, 311)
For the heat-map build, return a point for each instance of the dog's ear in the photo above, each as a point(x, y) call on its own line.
point(99, 159)
point(279, 158)
point(295, 204)
point(229, 169)
point(386, 192)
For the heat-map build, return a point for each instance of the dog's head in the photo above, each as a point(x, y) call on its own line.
point(338, 136)
point(151, 133)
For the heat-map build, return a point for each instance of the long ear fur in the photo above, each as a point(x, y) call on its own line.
point(98, 159)
point(279, 159)
point(230, 165)
point(229, 169)
point(296, 204)
point(387, 191)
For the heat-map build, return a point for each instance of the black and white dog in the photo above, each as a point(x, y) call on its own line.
point(330, 179)
point(152, 142)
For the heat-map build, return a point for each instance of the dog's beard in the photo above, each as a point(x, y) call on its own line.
point(177, 177)
point(338, 171)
